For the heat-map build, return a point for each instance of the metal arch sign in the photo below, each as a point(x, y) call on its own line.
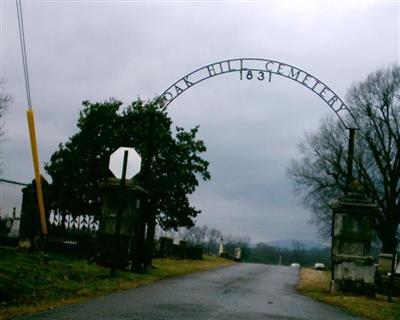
point(262, 70)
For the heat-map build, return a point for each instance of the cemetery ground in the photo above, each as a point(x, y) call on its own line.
point(315, 284)
point(32, 282)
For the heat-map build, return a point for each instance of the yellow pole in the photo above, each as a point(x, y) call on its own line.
point(35, 157)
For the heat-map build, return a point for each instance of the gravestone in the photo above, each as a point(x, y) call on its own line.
point(353, 266)
point(385, 262)
point(221, 251)
point(384, 284)
point(166, 246)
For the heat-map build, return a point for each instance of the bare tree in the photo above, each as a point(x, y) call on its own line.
point(5, 99)
point(205, 236)
point(320, 176)
point(213, 238)
point(242, 242)
point(194, 235)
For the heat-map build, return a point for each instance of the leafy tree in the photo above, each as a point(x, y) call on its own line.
point(172, 163)
point(320, 176)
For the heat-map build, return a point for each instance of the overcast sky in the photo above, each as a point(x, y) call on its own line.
point(93, 50)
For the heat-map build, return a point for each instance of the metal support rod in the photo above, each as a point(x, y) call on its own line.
point(392, 270)
point(332, 253)
point(119, 214)
point(350, 157)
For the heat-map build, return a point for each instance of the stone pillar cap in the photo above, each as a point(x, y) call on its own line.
point(114, 183)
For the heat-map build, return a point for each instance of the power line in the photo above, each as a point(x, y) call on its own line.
point(31, 122)
point(13, 182)
point(23, 51)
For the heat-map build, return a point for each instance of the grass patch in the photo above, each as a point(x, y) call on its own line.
point(32, 282)
point(315, 284)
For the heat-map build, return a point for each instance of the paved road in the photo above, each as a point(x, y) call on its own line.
point(243, 291)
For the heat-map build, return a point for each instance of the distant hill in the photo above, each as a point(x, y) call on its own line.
point(292, 243)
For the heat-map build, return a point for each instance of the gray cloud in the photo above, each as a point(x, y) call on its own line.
point(96, 50)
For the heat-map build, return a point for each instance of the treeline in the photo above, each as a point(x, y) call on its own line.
point(263, 253)
point(210, 238)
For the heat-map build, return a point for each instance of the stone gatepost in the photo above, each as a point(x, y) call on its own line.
point(127, 202)
point(353, 267)
point(30, 227)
